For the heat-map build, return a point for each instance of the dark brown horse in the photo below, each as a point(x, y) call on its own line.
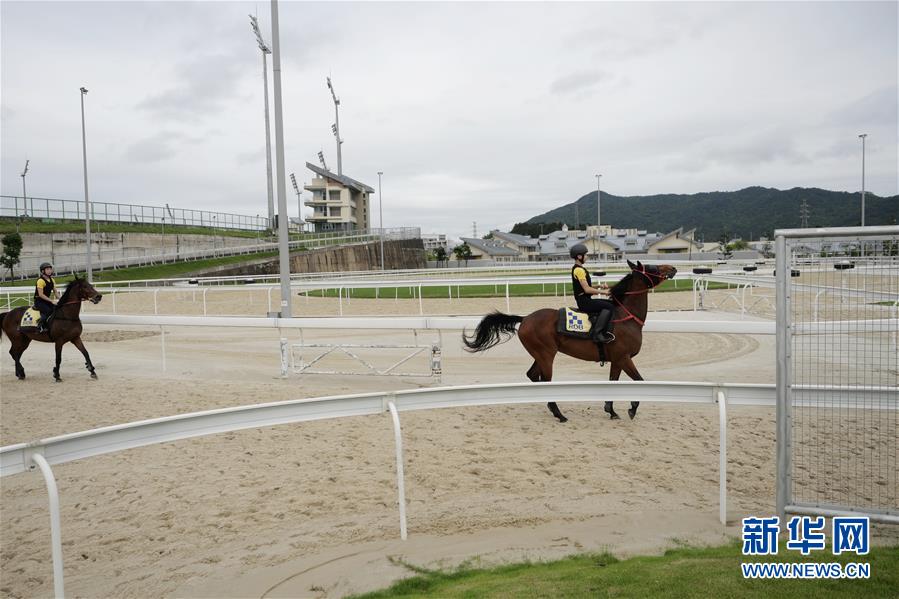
point(538, 335)
point(65, 326)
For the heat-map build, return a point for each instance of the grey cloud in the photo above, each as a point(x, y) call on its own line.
point(578, 82)
point(162, 146)
point(203, 87)
point(878, 107)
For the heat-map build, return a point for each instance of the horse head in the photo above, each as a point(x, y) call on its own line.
point(651, 273)
point(85, 291)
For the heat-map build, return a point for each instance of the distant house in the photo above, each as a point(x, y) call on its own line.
point(338, 202)
point(432, 241)
point(489, 249)
point(675, 242)
point(527, 247)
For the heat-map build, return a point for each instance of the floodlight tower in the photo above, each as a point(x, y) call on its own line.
point(335, 128)
point(296, 188)
point(87, 208)
point(862, 137)
point(263, 47)
point(24, 195)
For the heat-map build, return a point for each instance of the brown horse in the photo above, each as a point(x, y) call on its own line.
point(64, 327)
point(538, 335)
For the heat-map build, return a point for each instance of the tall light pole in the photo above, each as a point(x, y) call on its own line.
point(381, 210)
point(863, 136)
point(268, 140)
point(24, 195)
point(283, 241)
point(335, 128)
point(87, 207)
point(296, 188)
point(598, 198)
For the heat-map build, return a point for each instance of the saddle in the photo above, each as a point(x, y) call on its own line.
point(582, 325)
point(29, 322)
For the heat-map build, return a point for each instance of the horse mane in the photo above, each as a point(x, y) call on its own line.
point(622, 287)
point(69, 289)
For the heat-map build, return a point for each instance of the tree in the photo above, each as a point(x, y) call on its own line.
point(12, 249)
point(440, 254)
point(723, 248)
point(462, 252)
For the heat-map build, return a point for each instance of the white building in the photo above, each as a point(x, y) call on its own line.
point(338, 202)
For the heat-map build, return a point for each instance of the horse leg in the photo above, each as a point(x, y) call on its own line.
point(628, 365)
point(16, 350)
point(58, 361)
point(87, 364)
point(614, 373)
point(536, 376)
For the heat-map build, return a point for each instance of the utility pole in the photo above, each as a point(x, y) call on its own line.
point(268, 139)
point(335, 128)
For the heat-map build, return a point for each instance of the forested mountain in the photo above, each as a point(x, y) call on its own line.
point(753, 211)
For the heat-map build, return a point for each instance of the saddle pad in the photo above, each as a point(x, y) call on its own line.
point(29, 319)
point(573, 323)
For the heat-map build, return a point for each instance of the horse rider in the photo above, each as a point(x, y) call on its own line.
point(587, 296)
point(45, 294)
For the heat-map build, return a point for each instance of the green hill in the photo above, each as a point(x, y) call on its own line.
point(752, 211)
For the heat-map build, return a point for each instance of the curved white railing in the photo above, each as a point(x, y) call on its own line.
point(42, 453)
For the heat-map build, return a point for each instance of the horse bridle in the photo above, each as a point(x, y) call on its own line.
point(649, 276)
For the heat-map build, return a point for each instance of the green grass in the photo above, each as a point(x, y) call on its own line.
point(156, 271)
point(685, 572)
point(33, 225)
point(515, 290)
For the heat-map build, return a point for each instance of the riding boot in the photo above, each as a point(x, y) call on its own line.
point(600, 326)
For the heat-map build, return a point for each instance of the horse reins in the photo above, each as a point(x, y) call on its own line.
point(649, 277)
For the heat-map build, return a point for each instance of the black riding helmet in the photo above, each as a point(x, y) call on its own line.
point(578, 249)
point(45, 265)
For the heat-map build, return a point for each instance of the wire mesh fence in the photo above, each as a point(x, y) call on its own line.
point(841, 302)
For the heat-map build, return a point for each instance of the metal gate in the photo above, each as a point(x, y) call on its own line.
point(837, 326)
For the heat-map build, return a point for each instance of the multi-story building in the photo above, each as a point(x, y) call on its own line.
point(432, 241)
point(339, 203)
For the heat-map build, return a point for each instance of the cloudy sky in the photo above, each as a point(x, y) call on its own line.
point(475, 112)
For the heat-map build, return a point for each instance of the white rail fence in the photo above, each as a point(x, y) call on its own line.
point(44, 453)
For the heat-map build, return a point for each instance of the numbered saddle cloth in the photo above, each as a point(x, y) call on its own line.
point(574, 323)
point(30, 319)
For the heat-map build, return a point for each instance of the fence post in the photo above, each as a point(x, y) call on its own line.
point(400, 476)
point(55, 528)
point(421, 309)
point(508, 305)
point(722, 457)
point(155, 303)
point(283, 357)
point(162, 336)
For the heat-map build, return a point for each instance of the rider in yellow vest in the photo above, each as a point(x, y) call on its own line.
point(45, 295)
point(587, 296)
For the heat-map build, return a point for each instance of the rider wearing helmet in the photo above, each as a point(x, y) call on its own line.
point(45, 294)
point(587, 296)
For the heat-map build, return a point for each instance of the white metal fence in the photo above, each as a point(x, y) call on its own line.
point(838, 456)
point(55, 209)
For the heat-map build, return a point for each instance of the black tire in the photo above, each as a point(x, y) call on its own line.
point(750, 268)
point(702, 271)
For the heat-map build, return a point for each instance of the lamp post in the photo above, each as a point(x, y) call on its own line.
point(283, 242)
point(598, 198)
point(263, 47)
point(87, 208)
point(381, 210)
point(863, 136)
point(24, 195)
point(296, 188)
point(335, 128)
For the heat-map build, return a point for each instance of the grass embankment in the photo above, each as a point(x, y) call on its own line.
point(31, 225)
point(472, 291)
point(156, 271)
point(707, 572)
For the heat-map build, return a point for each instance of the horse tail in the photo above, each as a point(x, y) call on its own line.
point(493, 329)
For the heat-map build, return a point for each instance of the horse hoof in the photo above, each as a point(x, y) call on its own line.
point(562, 419)
point(632, 413)
point(94, 375)
point(21, 377)
point(614, 416)
point(57, 379)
